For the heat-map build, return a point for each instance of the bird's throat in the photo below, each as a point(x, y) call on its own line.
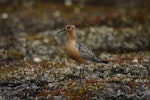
point(72, 36)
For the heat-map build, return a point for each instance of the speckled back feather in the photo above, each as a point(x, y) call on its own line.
point(86, 53)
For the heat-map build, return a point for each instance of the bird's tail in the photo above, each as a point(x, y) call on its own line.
point(101, 61)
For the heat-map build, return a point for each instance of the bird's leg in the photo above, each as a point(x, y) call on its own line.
point(81, 71)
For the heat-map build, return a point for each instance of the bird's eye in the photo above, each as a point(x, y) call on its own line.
point(68, 27)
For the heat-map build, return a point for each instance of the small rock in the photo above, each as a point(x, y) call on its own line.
point(36, 59)
point(4, 15)
point(68, 2)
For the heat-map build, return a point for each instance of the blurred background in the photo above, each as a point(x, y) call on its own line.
point(28, 28)
point(34, 64)
point(40, 15)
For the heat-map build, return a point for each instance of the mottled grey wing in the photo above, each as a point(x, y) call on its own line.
point(85, 52)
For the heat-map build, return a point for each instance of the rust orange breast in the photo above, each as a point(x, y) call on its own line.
point(73, 52)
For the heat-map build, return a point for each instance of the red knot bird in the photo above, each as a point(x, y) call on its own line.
point(78, 51)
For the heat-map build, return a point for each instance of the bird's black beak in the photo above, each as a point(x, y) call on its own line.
point(62, 30)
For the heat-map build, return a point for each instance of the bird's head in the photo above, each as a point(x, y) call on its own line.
point(68, 28)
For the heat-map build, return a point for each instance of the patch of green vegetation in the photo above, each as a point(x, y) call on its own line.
point(4, 72)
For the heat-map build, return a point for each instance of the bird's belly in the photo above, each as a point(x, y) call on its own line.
point(74, 54)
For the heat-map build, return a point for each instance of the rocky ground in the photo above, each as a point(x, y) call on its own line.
point(34, 64)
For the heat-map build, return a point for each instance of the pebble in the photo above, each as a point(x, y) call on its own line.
point(36, 59)
point(4, 15)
